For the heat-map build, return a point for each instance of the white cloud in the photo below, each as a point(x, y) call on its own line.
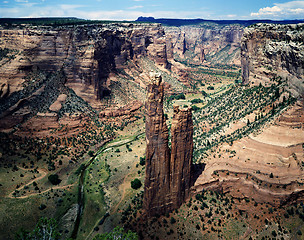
point(138, 0)
point(135, 7)
point(5, 2)
point(288, 10)
point(21, 1)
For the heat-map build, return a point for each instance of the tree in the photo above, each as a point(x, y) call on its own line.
point(116, 234)
point(142, 161)
point(172, 220)
point(46, 229)
point(54, 179)
point(136, 183)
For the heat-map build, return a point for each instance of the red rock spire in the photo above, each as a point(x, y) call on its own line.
point(167, 180)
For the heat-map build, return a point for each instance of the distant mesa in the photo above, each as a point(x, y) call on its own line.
point(245, 23)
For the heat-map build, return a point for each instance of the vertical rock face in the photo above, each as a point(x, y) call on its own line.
point(181, 154)
point(87, 54)
point(271, 50)
point(197, 44)
point(167, 180)
point(157, 183)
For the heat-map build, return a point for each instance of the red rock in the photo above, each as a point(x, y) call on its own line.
point(167, 180)
point(157, 182)
point(181, 154)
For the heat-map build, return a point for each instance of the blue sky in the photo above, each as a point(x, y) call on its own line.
point(131, 9)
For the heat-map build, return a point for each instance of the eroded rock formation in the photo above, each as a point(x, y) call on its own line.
point(167, 180)
point(198, 44)
point(157, 183)
point(86, 54)
point(181, 154)
point(271, 50)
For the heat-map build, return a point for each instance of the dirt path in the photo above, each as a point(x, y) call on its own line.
point(124, 187)
point(52, 188)
point(43, 174)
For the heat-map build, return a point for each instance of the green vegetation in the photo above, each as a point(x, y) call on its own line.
point(54, 179)
point(136, 184)
point(232, 106)
point(197, 100)
point(45, 229)
point(117, 233)
point(142, 161)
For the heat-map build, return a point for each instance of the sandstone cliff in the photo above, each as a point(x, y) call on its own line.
point(204, 43)
point(181, 154)
point(270, 50)
point(157, 184)
point(167, 181)
point(87, 54)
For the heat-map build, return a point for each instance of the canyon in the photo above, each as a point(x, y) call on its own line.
point(75, 100)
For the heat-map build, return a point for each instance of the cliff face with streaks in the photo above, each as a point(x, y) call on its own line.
point(157, 183)
point(83, 63)
point(167, 182)
point(204, 44)
point(181, 154)
point(86, 54)
point(269, 51)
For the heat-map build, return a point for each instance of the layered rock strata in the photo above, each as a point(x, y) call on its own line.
point(87, 54)
point(204, 44)
point(167, 180)
point(270, 50)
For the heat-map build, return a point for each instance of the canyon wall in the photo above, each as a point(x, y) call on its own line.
point(204, 43)
point(87, 54)
point(167, 181)
point(270, 50)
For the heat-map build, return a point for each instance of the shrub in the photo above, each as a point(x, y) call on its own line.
point(117, 233)
point(142, 161)
point(54, 179)
point(91, 153)
point(195, 108)
point(204, 93)
point(136, 183)
point(42, 206)
point(172, 220)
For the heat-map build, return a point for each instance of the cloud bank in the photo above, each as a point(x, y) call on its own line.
point(288, 10)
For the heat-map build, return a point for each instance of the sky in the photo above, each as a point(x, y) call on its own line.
point(132, 9)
